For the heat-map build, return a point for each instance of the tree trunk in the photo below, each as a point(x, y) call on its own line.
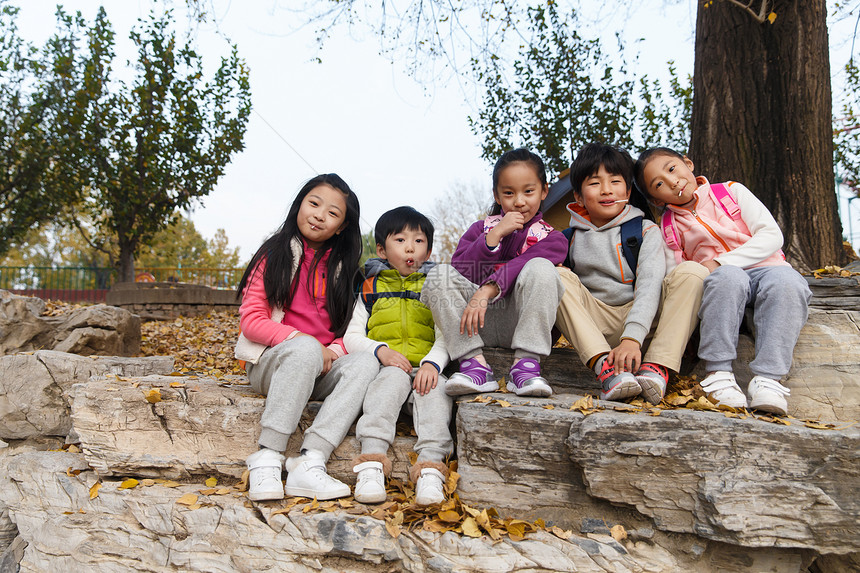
point(126, 263)
point(762, 116)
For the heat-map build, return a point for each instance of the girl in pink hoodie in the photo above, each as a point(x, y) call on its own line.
point(297, 300)
point(728, 230)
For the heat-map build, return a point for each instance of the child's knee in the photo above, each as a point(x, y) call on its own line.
point(540, 273)
point(691, 269)
point(785, 281)
point(728, 278)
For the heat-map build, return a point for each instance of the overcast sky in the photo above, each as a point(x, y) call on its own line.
point(355, 113)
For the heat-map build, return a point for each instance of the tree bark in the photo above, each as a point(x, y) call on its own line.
point(126, 263)
point(762, 116)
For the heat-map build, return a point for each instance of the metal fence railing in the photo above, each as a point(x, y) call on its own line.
point(91, 284)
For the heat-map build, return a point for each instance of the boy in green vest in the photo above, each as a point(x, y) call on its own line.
point(391, 322)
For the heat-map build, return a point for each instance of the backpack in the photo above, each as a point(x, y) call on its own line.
point(720, 193)
point(538, 230)
point(631, 241)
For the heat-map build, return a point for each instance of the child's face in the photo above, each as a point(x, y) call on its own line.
point(322, 215)
point(405, 251)
point(669, 179)
point(519, 189)
point(604, 195)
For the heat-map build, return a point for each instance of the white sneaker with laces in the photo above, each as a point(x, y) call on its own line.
point(429, 489)
point(307, 477)
point(370, 483)
point(768, 395)
point(264, 475)
point(722, 387)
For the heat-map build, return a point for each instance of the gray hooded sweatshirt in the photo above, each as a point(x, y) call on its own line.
point(598, 261)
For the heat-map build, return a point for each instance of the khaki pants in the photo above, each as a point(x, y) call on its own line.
point(594, 328)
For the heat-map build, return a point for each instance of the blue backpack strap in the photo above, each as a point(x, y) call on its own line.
point(631, 240)
point(568, 233)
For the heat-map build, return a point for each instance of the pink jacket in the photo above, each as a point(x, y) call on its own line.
point(264, 326)
point(707, 232)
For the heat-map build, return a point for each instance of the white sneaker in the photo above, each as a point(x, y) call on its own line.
point(264, 477)
point(370, 483)
point(429, 490)
point(722, 387)
point(307, 477)
point(768, 395)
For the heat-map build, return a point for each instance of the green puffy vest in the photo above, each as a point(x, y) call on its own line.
point(397, 317)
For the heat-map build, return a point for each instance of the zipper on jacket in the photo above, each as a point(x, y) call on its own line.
point(710, 230)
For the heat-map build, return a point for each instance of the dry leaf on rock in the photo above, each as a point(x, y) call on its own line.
point(560, 533)
point(211, 482)
point(188, 499)
point(470, 527)
point(153, 396)
point(618, 532)
point(243, 481)
point(94, 490)
point(128, 484)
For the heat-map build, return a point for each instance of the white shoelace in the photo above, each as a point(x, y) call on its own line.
point(264, 473)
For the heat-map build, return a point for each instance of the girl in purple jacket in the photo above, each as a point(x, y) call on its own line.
point(501, 288)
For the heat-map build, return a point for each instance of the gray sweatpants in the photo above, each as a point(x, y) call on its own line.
point(522, 320)
point(431, 415)
point(779, 297)
point(288, 375)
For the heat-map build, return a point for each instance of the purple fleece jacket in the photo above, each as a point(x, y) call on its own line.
point(475, 261)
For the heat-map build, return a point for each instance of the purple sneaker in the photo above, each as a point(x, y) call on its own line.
point(473, 378)
point(526, 379)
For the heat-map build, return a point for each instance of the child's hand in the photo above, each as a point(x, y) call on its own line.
point(711, 265)
point(329, 356)
point(512, 221)
point(473, 316)
point(389, 357)
point(425, 379)
point(627, 356)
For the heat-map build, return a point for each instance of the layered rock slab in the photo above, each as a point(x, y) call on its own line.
point(181, 426)
point(145, 529)
point(741, 481)
point(744, 482)
point(34, 388)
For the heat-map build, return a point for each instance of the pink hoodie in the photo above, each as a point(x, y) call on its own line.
point(306, 314)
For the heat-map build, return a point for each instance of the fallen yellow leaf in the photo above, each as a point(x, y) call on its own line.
point(561, 533)
point(618, 532)
point(211, 482)
point(94, 491)
point(153, 396)
point(450, 516)
point(470, 527)
point(128, 484)
point(504, 403)
point(243, 481)
point(187, 499)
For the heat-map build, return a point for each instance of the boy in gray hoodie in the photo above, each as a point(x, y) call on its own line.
point(609, 304)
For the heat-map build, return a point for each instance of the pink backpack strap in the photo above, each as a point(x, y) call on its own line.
point(667, 224)
point(491, 222)
point(720, 191)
